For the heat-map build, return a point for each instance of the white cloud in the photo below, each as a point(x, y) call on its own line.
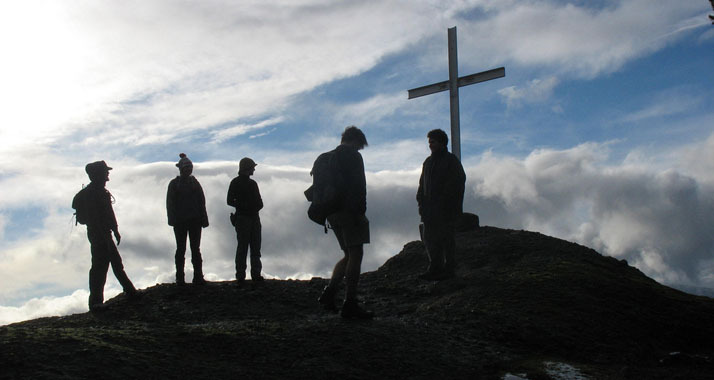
point(46, 307)
point(261, 134)
point(241, 129)
point(697, 159)
point(669, 103)
point(3, 223)
point(370, 110)
point(657, 220)
point(536, 91)
point(576, 39)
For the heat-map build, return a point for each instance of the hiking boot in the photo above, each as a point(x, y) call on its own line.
point(198, 281)
point(180, 282)
point(352, 310)
point(257, 278)
point(133, 295)
point(327, 300)
point(98, 308)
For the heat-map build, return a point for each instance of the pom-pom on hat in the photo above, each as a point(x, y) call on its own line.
point(184, 161)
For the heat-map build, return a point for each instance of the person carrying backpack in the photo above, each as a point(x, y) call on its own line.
point(244, 195)
point(349, 223)
point(94, 208)
point(186, 211)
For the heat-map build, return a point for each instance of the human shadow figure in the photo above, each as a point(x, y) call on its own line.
point(350, 225)
point(244, 195)
point(93, 206)
point(440, 198)
point(186, 211)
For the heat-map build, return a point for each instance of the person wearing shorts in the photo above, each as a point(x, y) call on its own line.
point(350, 225)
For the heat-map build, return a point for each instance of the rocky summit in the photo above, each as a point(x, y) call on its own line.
point(523, 306)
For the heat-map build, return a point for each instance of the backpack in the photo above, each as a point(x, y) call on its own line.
point(326, 191)
point(80, 204)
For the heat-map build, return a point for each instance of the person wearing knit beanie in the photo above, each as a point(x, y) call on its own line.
point(186, 211)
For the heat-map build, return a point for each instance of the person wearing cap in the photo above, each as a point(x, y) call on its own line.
point(244, 195)
point(96, 201)
point(186, 211)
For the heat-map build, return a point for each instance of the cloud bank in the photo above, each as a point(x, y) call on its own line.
point(657, 220)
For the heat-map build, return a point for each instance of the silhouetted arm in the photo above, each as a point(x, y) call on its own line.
point(420, 191)
point(258, 198)
point(171, 203)
point(455, 187)
point(231, 198)
point(202, 204)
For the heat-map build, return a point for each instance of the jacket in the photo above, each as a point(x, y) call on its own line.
point(441, 188)
point(354, 189)
point(244, 195)
point(185, 202)
point(100, 213)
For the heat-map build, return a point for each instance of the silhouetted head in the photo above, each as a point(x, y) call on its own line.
point(354, 136)
point(98, 171)
point(438, 140)
point(185, 165)
point(246, 166)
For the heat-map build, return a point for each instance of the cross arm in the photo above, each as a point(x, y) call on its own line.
point(463, 81)
point(428, 89)
point(482, 76)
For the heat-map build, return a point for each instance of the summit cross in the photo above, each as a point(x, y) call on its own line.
point(453, 85)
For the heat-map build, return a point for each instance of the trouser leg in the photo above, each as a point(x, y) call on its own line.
point(194, 234)
point(243, 233)
point(256, 266)
point(98, 272)
point(433, 241)
point(179, 258)
point(118, 269)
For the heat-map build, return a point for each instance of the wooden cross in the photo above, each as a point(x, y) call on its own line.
point(453, 85)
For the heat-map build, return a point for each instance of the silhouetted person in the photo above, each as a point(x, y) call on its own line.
point(186, 210)
point(440, 198)
point(94, 203)
point(244, 195)
point(350, 225)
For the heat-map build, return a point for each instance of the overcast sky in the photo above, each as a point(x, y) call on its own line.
point(600, 133)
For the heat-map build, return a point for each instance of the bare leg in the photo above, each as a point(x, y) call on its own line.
point(352, 270)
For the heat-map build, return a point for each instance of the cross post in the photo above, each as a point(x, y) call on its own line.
point(453, 85)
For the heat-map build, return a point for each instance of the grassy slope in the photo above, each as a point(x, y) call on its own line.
point(520, 298)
